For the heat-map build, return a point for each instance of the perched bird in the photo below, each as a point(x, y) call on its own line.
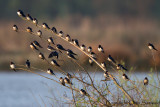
point(75, 42)
point(50, 40)
point(106, 75)
point(39, 33)
point(28, 64)
point(69, 75)
point(29, 30)
point(45, 26)
point(111, 59)
point(29, 17)
point(62, 81)
point(20, 13)
point(67, 81)
point(41, 56)
point(145, 81)
point(54, 53)
point(60, 47)
point(32, 46)
point(89, 49)
point(71, 56)
point(60, 33)
point(12, 66)
point(83, 47)
point(54, 30)
point(54, 62)
point(93, 55)
point(83, 92)
point(151, 46)
point(50, 71)
point(37, 44)
point(15, 28)
point(119, 67)
point(68, 38)
point(100, 49)
point(125, 77)
point(35, 21)
point(50, 48)
point(103, 64)
point(70, 51)
point(91, 61)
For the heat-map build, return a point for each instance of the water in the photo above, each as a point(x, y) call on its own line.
point(27, 90)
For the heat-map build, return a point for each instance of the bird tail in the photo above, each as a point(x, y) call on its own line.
point(91, 64)
point(14, 70)
point(156, 49)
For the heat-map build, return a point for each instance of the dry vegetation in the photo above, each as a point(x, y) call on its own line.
point(95, 93)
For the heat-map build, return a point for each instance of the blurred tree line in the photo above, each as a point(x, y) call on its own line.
point(91, 8)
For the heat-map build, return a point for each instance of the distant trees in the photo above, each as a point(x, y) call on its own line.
point(54, 8)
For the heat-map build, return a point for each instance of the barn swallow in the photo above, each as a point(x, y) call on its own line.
point(29, 30)
point(32, 46)
point(83, 92)
point(50, 71)
point(54, 30)
point(70, 51)
point(89, 49)
point(50, 48)
point(12, 66)
point(125, 77)
point(60, 33)
point(62, 81)
point(28, 63)
point(35, 21)
point(106, 75)
point(54, 62)
point(15, 28)
point(111, 59)
point(54, 53)
point(39, 33)
point(67, 81)
point(29, 17)
point(119, 67)
point(45, 26)
point(60, 47)
point(151, 46)
point(91, 61)
point(103, 64)
point(100, 49)
point(83, 47)
point(20, 13)
point(37, 44)
point(71, 56)
point(50, 40)
point(93, 55)
point(69, 75)
point(68, 38)
point(41, 56)
point(145, 81)
point(75, 42)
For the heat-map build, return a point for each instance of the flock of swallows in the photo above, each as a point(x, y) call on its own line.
point(35, 45)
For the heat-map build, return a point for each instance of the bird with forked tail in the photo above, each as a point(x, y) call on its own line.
point(145, 81)
point(28, 64)
point(151, 47)
point(13, 66)
point(54, 53)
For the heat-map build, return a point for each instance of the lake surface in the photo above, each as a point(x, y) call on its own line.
point(29, 90)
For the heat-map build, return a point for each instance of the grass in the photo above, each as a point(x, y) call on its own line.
point(125, 92)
